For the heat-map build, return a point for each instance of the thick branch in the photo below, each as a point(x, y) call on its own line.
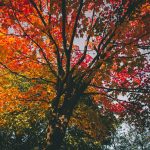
point(59, 65)
point(38, 11)
point(75, 25)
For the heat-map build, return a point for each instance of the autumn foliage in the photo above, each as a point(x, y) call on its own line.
point(52, 53)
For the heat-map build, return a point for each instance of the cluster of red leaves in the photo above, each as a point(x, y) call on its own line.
point(124, 78)
point(76, 57)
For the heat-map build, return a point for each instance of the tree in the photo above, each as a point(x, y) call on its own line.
point(128, 137)
point(38, 46)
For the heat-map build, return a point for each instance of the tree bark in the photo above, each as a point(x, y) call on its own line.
point(56, 132)
point(59, 119)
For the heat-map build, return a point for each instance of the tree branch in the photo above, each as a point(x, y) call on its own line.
point(137, 90)
point(59, 65)
point(25, 77)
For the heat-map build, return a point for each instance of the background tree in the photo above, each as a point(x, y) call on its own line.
point(129, 137)
point(38, 45)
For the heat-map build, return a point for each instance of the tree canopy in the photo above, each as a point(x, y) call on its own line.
point(56, 54)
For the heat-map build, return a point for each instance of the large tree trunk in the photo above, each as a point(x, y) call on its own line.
point(59, 119)
point(55, 132)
